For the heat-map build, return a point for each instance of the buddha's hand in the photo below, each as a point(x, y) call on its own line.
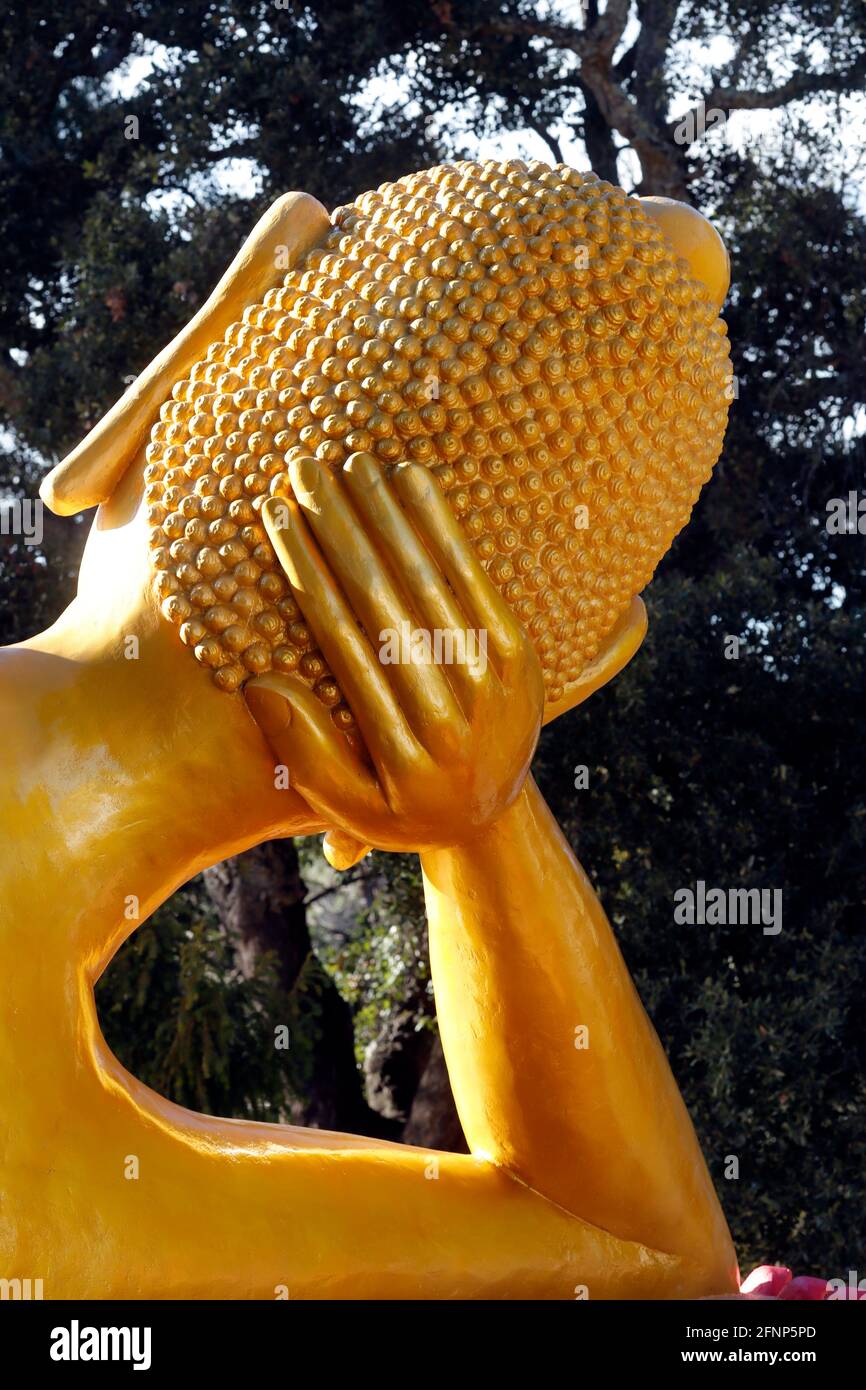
point(444, 685)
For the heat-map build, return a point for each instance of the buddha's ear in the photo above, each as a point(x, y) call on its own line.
point(291, 226)
point(694, 238)
point(617, 652)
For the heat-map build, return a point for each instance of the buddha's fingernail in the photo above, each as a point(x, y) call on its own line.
point(414, 480)
point(364, 468)
point(305, 475)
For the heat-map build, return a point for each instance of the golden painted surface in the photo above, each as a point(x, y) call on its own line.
point(127, 770)
point(527, 333)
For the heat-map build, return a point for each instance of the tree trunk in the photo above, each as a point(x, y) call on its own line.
point(407, 1081)
point(259, 896)
point(433, 1122)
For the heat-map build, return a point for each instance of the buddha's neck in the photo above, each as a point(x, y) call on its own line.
point(122, 778)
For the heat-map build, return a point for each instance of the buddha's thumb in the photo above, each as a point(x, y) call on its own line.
point(299, 730)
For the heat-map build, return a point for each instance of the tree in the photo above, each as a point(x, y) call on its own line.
point(259, 897)
point(741, 771)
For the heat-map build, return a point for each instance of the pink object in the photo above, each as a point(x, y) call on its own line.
point(805, 1288)
point(776, 1281)
point(767, 1280)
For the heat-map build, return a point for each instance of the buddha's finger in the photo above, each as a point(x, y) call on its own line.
point(346, 649)
point(312, 754)
point(377, 503)
point(438, 526)
point(429, 704)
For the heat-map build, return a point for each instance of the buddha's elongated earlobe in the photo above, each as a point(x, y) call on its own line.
point(694, 238)
point(617, 651)
point(89, 475)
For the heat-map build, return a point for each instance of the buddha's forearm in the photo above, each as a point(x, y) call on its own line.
point(556, 1069)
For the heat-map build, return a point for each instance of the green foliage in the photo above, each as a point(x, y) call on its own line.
point(181, 1017)
point(115, 232)
point(382, 967)
point(746, 772)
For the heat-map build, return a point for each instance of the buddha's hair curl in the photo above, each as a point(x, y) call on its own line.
point(525, 332)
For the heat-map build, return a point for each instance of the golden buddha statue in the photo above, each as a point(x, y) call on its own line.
point(482, 399)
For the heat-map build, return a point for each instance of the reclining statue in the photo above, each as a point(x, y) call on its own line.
point(480, 400)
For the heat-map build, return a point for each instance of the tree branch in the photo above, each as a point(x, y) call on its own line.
point(343, 883)
point(801, 84)
point(609, 28)
point(657, 19)
point(550, 140)
point(662, 161)
point(598, 138)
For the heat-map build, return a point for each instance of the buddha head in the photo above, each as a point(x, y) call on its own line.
point(549, 347)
